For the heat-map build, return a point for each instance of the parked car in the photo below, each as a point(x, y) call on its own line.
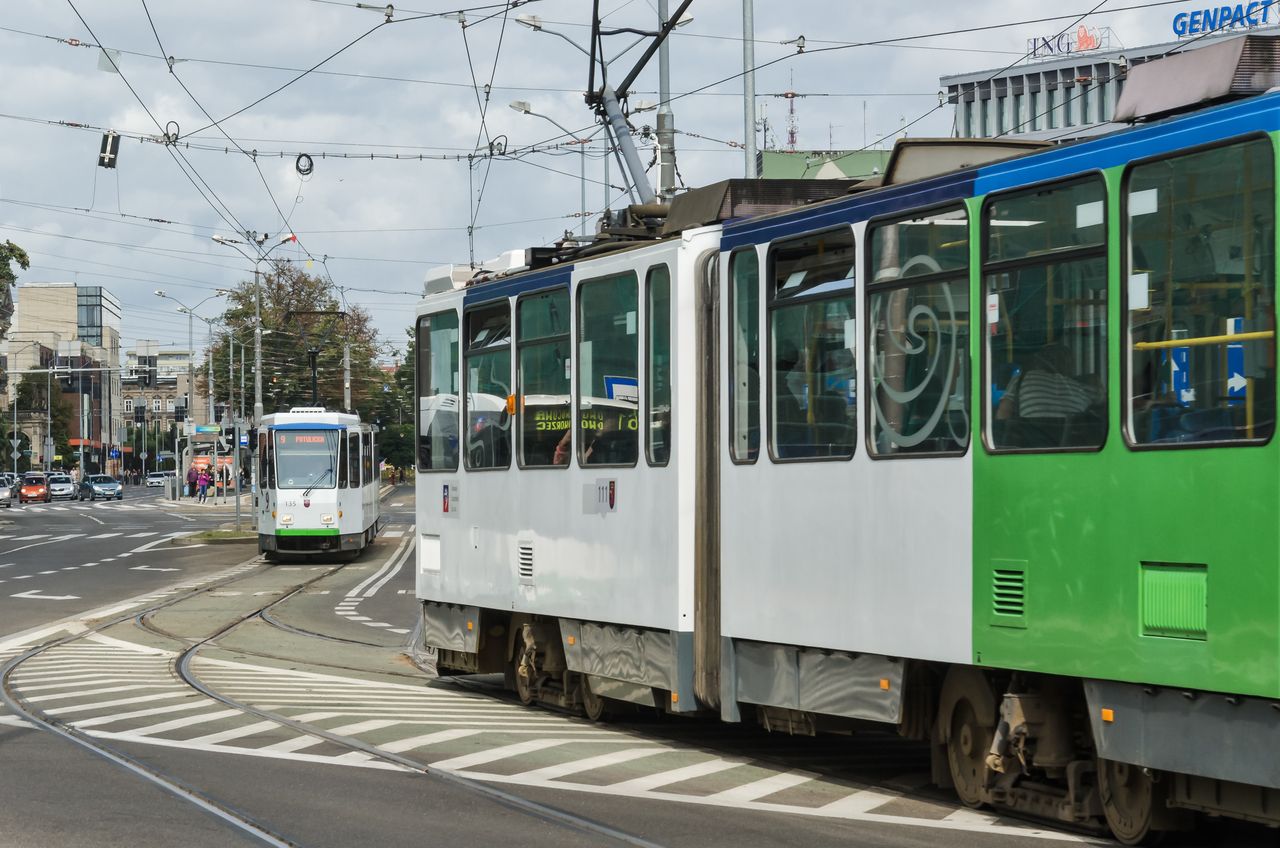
point(61, 487)
point(157, 478)
point(6, 493)
point(34, 488)
point(101, 486)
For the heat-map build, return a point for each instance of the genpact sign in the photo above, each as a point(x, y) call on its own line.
point(1241, 15)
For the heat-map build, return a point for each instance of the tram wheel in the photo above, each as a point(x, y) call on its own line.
point(1131, 801)
point(593, 705)
point(967, 748)
point(524, 688)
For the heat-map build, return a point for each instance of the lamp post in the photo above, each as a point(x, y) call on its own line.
point(612, 111)
point(191, 347)
point(258, 239)
point(523, 107)
point(8, 346)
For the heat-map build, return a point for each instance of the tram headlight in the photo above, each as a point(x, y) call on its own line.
point(326, 519)
point(286, 518)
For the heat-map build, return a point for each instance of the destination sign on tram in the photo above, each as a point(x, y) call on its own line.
point(290, 439)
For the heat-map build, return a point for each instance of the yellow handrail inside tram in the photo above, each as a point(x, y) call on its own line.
point(1206, 340)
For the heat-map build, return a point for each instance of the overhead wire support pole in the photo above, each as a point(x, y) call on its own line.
point(749, 88)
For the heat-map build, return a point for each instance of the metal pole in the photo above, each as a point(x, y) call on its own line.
point(242, 381)
point(749, 87)
point(346, 378)
point(48, 418)
point(191, 367)
point(14, 436)
point(210, 358)
point(235, 469)
point(257, 348)
point(622, 134)
point(666, 119)
point(231, 373)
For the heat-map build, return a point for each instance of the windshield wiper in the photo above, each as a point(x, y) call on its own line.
point(316, 482)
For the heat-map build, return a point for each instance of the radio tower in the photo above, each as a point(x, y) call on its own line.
point(793, 123)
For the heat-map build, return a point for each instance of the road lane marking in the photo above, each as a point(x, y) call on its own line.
point(34, 594)
point(502, 752)
point(402, 745)
point(763, 788)
point(185, 721)
point(141, 535)
point(104, 535)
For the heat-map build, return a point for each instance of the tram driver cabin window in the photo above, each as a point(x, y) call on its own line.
point(1200, 304)
point(436, 348)
point(813, 378)
point(1045, 321)
point(487, 364)
point(744, 356)
point(609, 371)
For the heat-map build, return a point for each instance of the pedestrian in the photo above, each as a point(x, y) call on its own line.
point(192, 475)
point(202, 485)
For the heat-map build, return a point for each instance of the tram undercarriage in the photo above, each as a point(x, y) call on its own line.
point(1011, 741)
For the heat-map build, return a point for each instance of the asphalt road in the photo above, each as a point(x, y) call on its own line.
point(318, 692)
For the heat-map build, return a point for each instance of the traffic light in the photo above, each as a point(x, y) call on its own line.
point(139, 415)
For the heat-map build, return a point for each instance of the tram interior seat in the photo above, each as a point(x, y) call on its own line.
point(1086, 429)
point(1170, 424)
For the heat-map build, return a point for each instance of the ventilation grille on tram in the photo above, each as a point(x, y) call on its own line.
point(524, 564)
point(1009, 592)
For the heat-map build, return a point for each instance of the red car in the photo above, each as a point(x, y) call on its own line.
point(34, 488)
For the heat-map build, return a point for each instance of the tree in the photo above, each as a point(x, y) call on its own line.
point(9, 254)
point(290, 300)
point(34, 397)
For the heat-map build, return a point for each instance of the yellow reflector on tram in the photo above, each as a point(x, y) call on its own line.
point(1108, 714)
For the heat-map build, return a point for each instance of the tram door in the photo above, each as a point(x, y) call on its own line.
point(706, 638)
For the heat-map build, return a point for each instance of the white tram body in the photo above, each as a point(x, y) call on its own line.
point(691, 580)
point(317, 483)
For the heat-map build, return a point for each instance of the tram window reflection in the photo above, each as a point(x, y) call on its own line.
point(1045, 298)
point(436, 345)
point(658, 382)
point(545, 412)
point(744, 356)
point(608, 371)
point(918, 350)
point(488, 385)
point(1200, 266)
point(812, 335)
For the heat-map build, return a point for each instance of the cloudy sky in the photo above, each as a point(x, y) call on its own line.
point(415, 89)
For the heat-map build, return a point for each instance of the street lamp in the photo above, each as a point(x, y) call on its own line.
point(523, 107)
point(191, 347)
point(258, 240)
point(615, 120)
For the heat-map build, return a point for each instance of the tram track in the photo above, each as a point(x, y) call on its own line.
point(181, 670)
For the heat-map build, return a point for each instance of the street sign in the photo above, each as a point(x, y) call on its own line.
point(115, 453)
point(143, 454)
point(17, 443)
point(208, 428)
point(244, 440)
point(16, 455)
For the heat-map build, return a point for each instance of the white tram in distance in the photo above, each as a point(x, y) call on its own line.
point(317, 484)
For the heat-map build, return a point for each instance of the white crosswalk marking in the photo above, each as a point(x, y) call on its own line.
point(764, 787)
point(500, 753)
point(142, 535)
point(676, 775)
point(400, 746)
point(612, 758)
point(104, 536)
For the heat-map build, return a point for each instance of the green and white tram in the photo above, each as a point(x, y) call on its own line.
point(317, 484)
point(984, 454)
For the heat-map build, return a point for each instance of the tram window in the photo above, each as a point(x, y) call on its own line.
point(264, 458)
point(918, 349)
point(1045, 302)
point(744, 356)
point(366, 452)
point(344, 478)
point(1200, 309)
point(658, 375)
point(811, 334)
point(608, 371)
point(546, 414)
point(352, 459)
point(488, 375)
point(305, 458)
point(436, 344)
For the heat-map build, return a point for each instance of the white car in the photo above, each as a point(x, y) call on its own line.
point(61, 487)
point(157, 478)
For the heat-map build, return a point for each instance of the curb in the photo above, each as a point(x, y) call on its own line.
point(186, 540)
